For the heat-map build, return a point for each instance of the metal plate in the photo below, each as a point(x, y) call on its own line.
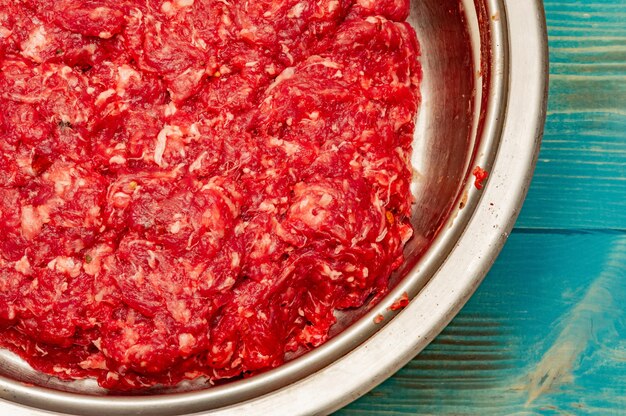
point(485, 72)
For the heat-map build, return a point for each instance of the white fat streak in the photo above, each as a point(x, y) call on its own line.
point(194, 130)
point(167, 8)
point(186, 342)
point(235, 260)
point(152, 259)
point(170, 8)
point(117, 160)
point(170, 109)
point(296, 11)
point(287, 73)
point(367, 4)
point(4, 32)
point(103, 96)
point(35, 44)
point(23, 266)
point(290, 148)
point(120, 200)
point(326, 200)
point(62, 178)
point(179, 311)
point(331, 273)
point(379, 204)
point(199, 43)
point(95, 361)
point(197, 164)
point(267, 206)
point(65, 265)
point(90, 49)
point(316, 60)
point(33, 219)
point(125, 74)
point(175, 227)
point(287, 53)
point(183, 3)
point(65, 71)
point(26, 163)
point(161, 143)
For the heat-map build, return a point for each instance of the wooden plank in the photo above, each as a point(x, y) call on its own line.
point(580, 181)
point(509, 338)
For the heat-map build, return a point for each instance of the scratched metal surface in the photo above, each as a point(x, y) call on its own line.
point(546, 332)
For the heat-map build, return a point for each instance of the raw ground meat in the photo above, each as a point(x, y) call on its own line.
point(192, 187)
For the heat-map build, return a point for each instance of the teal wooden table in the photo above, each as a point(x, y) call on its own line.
point(546, 332)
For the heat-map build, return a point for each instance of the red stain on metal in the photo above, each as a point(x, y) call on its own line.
point(378, 319)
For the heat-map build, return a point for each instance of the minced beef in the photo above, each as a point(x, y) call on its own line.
point(192, 187)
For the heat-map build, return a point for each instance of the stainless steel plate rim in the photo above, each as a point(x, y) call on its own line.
point(523, 55)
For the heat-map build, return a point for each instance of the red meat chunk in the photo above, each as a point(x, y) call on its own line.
point(192, 188)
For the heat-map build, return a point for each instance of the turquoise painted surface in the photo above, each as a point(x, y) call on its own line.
point(546, 332)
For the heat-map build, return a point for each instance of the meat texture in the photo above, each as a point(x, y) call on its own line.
point(192, 187)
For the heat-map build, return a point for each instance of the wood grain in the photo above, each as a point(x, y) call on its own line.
point(580, 180)
point(546, 332)
point(506, 352)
